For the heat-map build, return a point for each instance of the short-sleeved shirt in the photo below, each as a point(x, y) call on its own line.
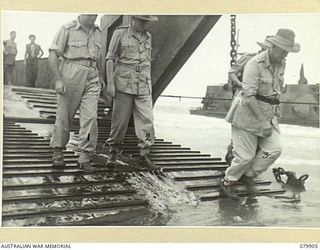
point(239, 65)
point(10, 52)
point(74, 42)
point(259, 78)
point(131, 51)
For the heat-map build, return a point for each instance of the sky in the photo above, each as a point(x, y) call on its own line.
point(209, 63)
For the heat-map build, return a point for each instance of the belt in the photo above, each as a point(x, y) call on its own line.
point(83, 62)
point(272, 101)
point(136, 67)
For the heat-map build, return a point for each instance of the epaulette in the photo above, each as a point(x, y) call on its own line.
point(261, 60)
point(250, 54)
point(148, 34)
point(70, 24)
point(123, 27)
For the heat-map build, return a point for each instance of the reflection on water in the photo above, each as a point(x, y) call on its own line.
point(238, 213)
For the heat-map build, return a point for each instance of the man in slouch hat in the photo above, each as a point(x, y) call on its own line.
point(254, 116)
point(129, 83)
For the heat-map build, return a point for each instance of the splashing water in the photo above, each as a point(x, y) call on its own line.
point(163, 194)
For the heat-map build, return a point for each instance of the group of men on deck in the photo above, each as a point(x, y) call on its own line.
point(254, 112)
point(32, 54)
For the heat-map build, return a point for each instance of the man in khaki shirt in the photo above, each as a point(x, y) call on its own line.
point(9, 58)
point(129, 83)
point(77, 82)
point(235, 75)
point(253, 114)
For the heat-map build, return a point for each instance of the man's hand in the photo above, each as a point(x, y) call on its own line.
point(226, 87)
point(111, 91)
point(108, 93)
point(60, 88)
point(238, 84)
point(102, 83)
point(266, 127)
point(266, 132)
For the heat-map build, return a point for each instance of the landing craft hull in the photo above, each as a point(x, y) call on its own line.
point(300, 104)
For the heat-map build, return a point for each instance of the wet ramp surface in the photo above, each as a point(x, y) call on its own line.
point(35, 193)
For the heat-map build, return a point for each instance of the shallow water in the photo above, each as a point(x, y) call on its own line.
point(212, 135)
point(172, 205)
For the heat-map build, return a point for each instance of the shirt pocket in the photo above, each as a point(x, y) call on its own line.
point(129, 50)
point(148, 49)
point(78, 48)
point(96, 49)
point(265, 86)
point(123, 75)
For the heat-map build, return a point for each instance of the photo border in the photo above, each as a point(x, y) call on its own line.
point(161, 234)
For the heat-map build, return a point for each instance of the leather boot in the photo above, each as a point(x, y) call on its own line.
point(111, 162)
point(226, 188)
point(146, 162)
point(57, 158)
point(249, 184)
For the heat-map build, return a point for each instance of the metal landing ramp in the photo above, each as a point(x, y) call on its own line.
point(35, 193)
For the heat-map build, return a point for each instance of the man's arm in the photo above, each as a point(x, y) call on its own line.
point(41, 52)
point(55, 51)
point(101, 77)
point(26, 54)
point(54, 66)
point(238, 68)
point(250, 88)
point(110, 81)
point(111, 57)
point(233, 77)
point(5, 52)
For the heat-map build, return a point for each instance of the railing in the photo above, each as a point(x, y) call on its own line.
point(229, 99)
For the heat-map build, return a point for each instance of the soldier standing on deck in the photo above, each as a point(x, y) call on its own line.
point(9, 58)
point(78, 86)
point(129, 83)
point(31, 60)
point(254, 116)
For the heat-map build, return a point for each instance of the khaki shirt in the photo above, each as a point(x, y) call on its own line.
point(74, 42)
point(10, 51)
point(132, 54)
point(258, 78)
point(239, 65)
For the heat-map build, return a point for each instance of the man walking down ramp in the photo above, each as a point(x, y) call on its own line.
point(78, 86)
point(129, 83)
point(235, 78)
point(254, 117)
